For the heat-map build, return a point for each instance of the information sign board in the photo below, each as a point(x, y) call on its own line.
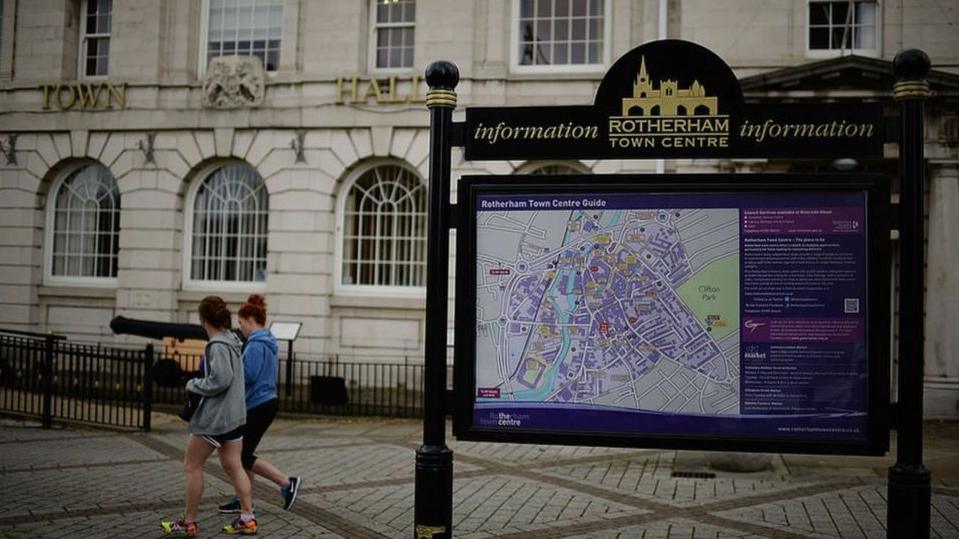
point(673, 98)
point(676, 312)
point(285, 331)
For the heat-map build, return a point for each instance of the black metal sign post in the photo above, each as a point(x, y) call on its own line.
point(670, 99)
point(909, 481)
point(289, 368)
point(433, 500)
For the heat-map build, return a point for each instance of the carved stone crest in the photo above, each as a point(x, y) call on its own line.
point(234, 81)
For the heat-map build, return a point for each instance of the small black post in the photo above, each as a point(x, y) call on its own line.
point(148, 387)
point(289, 368)
point(909, 481)
point(433, 500)
point(47, 375)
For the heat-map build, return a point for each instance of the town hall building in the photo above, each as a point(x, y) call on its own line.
point(153, 152)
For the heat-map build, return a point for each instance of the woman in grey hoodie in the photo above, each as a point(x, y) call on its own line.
point(217, 423)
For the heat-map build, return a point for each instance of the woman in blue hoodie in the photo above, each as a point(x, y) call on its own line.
point(259, 369)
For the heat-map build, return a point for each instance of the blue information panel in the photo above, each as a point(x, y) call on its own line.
point(739, 315)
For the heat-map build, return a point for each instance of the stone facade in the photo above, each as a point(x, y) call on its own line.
point(306, 143)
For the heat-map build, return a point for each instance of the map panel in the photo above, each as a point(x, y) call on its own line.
point(670, 313)
point(626, 308)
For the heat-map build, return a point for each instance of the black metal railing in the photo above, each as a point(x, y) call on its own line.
point(50, 377)
point(335, 387)
point(330, 385)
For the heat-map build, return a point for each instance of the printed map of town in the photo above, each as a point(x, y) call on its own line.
point(635, 309)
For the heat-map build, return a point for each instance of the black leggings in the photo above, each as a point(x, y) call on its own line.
point(257, 421)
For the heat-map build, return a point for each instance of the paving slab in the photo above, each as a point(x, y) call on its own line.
point(359, 483)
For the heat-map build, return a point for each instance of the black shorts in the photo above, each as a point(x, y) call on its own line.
point(217, 440)
point(258, 419)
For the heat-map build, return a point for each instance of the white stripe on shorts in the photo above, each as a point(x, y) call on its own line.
point(217, 444)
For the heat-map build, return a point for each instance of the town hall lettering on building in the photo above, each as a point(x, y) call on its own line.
point(86, 96)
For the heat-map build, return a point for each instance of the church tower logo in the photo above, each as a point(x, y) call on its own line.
point(668, 116)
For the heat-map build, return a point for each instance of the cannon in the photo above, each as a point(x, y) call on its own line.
point(122, 325)
point(167, 372)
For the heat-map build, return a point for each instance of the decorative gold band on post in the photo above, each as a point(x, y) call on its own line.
point(911, 89)
point(441, 98)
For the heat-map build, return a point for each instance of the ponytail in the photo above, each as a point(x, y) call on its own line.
point(254, 308)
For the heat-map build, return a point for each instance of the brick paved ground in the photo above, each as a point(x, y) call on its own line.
point(359, 483)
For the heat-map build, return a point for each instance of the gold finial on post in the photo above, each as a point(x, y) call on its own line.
point(442, 77)
point(911, 67)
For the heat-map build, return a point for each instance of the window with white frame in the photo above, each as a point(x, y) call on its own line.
point(845, 25)
point(394, 29)
point(245, 28)
point(95, 22)
point(229, 226)
point(560, 33)
point(383, 229)
point(85, 225)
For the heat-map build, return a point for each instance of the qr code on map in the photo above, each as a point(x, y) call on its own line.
point(851, 305)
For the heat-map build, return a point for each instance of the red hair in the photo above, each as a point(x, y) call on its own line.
point(254, 308)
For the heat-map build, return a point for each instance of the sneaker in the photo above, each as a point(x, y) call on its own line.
point(231, 506)
point(179, 528)
point(241, 527)
point(289, 493)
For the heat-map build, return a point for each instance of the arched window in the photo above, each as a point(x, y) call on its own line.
point(84, 226)
point(228, 235)
point(553, 168)
point(383, 229)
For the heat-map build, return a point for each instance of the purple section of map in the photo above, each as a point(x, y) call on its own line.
point(803, 335)
point(803, 220)
point(564, 418)
point(628, 201)
point(804, 330)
